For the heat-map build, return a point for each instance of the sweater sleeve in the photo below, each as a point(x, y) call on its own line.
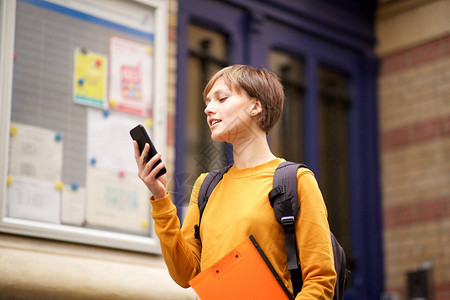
point(180, 250)
point(313, 241)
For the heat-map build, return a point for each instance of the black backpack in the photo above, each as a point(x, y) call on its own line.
point(284, 200)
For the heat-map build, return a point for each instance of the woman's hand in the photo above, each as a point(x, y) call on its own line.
point(157, 186)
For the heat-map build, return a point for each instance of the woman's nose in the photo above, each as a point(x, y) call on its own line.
point(209, 108)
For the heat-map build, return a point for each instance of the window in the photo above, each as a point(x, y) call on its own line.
point(286, 137)
point(334, 154)
point(207, 55)
point(83, 75)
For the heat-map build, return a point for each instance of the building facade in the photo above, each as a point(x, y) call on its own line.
point(366, 109)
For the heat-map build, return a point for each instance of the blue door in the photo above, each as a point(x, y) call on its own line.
point(329, 120)
point(333, 107)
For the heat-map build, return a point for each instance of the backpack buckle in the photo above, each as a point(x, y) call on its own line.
point(276, 191)
point(287, 221)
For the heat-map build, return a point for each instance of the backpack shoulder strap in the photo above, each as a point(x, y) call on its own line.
point(284, 200)
point(206, 189)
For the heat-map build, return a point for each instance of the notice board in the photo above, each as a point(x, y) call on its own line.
point(83, 76)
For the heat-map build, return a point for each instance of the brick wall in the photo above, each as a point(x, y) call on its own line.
point(414, 112)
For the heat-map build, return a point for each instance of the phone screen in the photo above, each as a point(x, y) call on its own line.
point(139, 134)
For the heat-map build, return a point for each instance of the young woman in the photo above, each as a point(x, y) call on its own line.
point(242, 105)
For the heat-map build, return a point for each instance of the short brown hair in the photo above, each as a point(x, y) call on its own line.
point(261, 84)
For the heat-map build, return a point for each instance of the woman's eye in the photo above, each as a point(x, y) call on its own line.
point(223, 99)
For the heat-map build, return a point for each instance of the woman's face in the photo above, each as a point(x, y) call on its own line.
point(229, 113)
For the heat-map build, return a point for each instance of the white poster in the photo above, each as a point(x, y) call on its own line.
point(73, 205)
point(109, 142)
point(119, 202)
point(35, 152)
point(34, 199)
point(131, 82)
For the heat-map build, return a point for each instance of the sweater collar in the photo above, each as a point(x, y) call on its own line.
point(268, 166)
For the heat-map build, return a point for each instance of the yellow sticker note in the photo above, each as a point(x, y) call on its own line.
point(89, 78)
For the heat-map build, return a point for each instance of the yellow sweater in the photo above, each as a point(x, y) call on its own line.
point(238, 207)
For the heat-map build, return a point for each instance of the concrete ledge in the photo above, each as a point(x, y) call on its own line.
point(40, 269)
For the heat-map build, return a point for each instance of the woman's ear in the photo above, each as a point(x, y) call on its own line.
point(256, 108)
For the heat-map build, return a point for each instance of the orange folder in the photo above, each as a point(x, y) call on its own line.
point(243, 273)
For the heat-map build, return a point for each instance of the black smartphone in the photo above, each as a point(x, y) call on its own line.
point(139, 134)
